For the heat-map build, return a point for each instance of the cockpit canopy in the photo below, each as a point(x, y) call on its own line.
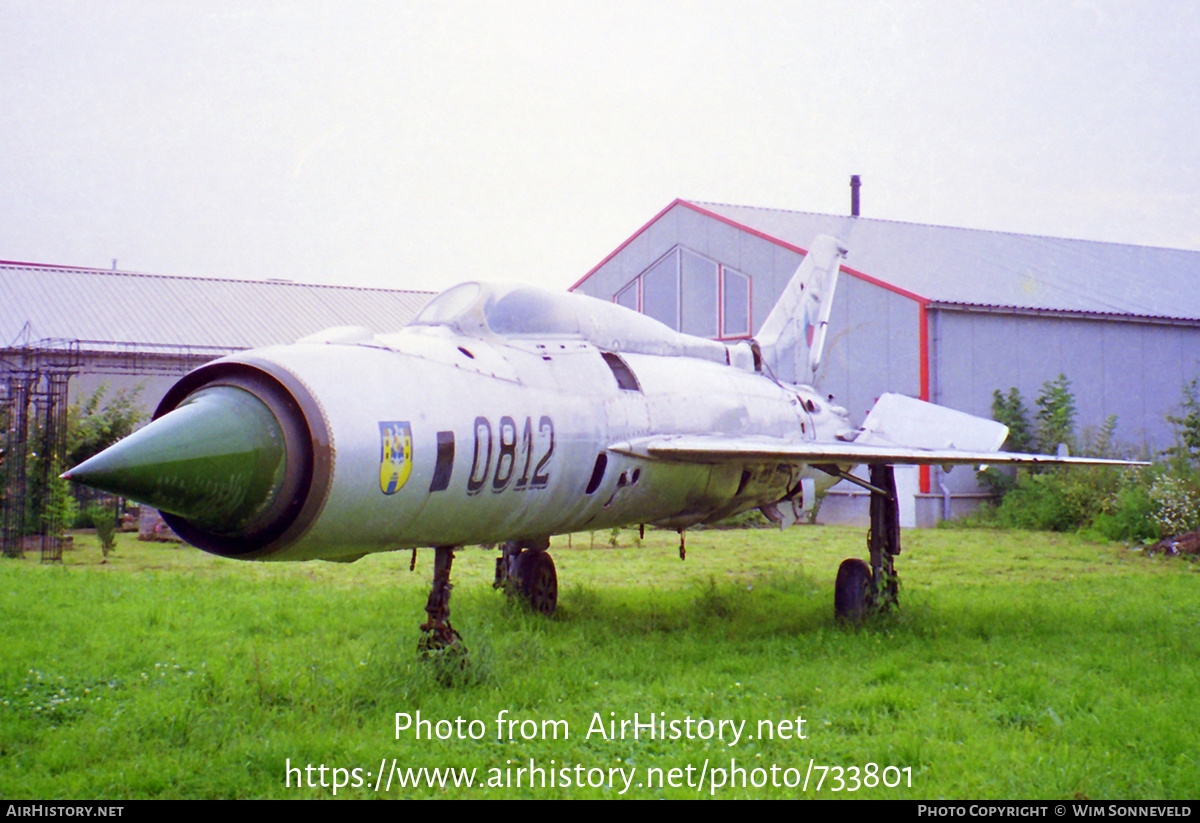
point(484, 310)
point(487, 308)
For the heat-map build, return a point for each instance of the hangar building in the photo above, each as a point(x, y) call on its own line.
point(943, 314)
point(125, 328)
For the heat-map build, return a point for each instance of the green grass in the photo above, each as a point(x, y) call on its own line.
point(1021, 665)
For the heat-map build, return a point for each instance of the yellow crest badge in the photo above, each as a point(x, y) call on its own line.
point(395, 456)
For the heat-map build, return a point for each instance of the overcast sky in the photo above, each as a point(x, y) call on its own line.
point(418, 144)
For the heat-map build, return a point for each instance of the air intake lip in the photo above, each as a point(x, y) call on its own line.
point(309, 458)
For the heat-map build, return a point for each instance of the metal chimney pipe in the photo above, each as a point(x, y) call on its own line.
point(855, 185)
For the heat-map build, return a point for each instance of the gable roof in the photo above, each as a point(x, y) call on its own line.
point(110, 310)
point(975, 268)
point(990, 268)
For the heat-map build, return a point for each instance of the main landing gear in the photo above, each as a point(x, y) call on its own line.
point(861, 589)
point(524, 567)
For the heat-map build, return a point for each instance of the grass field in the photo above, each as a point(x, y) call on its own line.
point(1020, 666)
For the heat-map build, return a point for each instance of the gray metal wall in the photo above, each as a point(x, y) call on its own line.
point(1133, 369)
point(872, 346)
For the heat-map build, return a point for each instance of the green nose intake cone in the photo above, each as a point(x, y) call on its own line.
point(217, 460)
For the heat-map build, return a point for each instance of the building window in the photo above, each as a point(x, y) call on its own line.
point(693, 294)
point(735, 304)
point(697, 294)
point(628, 296)
point(660, 291)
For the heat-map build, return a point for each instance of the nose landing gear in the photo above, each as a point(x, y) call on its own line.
point(437, 633)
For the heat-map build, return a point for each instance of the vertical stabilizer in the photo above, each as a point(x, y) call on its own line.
point(792, 338)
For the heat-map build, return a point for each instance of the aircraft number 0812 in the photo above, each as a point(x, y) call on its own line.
point(512, 451)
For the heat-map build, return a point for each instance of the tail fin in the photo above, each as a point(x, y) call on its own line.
point(792, 339)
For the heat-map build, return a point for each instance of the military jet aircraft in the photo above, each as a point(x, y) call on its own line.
point(506, 414)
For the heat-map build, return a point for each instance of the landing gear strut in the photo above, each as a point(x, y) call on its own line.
point(437, 631)
point(525, 567)
point(861, 589)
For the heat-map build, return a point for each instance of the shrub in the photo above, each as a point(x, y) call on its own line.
point(1130, 505)
point(1176, 505)
point(1011, 411)
point(1042, 502)
point(1129, 513)
point(105, 521)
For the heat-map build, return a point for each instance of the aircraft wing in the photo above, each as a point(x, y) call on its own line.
point(717, 448)
point(898, 431)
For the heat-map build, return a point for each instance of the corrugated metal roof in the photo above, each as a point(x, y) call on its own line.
point(152, 312)
point(989, 268)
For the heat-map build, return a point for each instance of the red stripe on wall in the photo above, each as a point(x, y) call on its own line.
point(752, 231)
point(632, 237)
point(772, 239)
point(923, 355)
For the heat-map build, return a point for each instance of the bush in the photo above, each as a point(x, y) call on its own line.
point(1128, 514)
point(1176, 505)
point(105, 521)
point(1132, 505)
point(1053, 501)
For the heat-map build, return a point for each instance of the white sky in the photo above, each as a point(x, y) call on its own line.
point(418, 144)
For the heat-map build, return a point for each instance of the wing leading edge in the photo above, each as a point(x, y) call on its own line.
point(716, 449)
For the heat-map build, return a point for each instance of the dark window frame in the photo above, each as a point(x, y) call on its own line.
point(724, 329)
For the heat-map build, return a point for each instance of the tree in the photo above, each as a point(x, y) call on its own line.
point(1104, 442)
point(1187, 428)
point(1055, 424)
point(1056, 415)
point(93, 425)
point(1011, 411)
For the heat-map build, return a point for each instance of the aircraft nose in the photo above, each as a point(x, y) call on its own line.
point(218, 460)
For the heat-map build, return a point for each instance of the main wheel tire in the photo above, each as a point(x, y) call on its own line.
point(538, 580)
point(853, 593)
